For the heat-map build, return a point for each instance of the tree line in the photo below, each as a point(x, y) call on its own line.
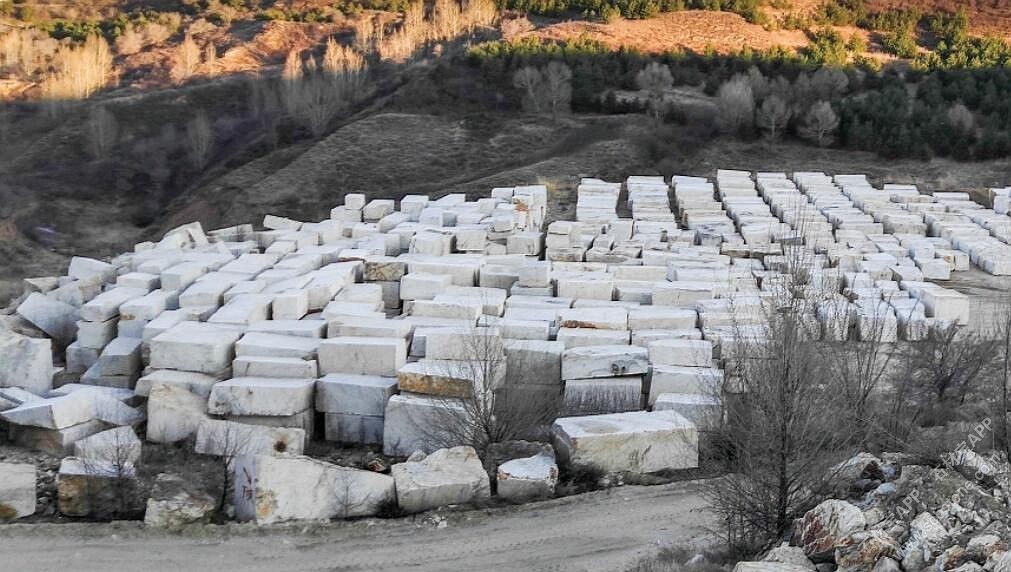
point(961, 113)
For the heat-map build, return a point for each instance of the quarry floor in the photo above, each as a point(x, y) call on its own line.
point(602, 530)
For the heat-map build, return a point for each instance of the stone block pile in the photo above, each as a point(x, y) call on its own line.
point(385, 320)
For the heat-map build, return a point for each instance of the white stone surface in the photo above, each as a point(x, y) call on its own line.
point(639, 442)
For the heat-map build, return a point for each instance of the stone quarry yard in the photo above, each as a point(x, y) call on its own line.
point(602, 530)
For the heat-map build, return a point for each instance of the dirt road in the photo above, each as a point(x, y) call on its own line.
point(606, 530)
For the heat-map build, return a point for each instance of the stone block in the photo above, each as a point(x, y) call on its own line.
point(27, 362)
point(354, 394)
point(416, 423)
point(421, 286)
point(55, 318)
point(533, 363)
point(271, 489)
point(474, 344)
point(594, 318)
point(261, 396)
point(691, 353)
point(56, 442)
point(192, 346)
point(106, 305)
point(351, 428)
point(684, 380)
point(300, 328)
point(362, 355)
point(121, 357)
point(604, 361)
point(173, 414)
point(445, 477)
point(290, 305)
point(196, 383)
point(662, 318)
point(119, 446)
point(98, 489)
point(638, 442)
point(584, 337)
point(260, 366)
point(602, 395)
point(526, 479)
point(177, 501)
point(17, 490)
point(355, 326)
point(702, 410)
point(276, 345)
point(229, 439)
point(96, 335)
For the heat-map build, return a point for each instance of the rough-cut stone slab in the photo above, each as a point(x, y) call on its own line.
point(690, 353)
point(363, 356)
point(196, 383)
point(351, 428)
point(445, 477)
point(275, 489)
point(56, 318)
point(26, 362)
point(173, 414)
point(604, 361)
point(529, 478)
point(17, 490)
point(417, 423)
point(192, 346)
point(261, 396)
point(639, 442)
point(229, 438)
point(354, 394)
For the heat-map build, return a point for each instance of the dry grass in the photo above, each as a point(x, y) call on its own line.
point(693, 30)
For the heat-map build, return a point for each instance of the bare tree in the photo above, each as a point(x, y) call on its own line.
point(130, 41)
point(948, 364)
point(820, 123)
point(210, 60)
point(773, 116)
point(102, 131)
point(186, 60)
point(736, 105)
point(780, 433)
point(530, 80)
point(487, 411)
point(291, 82)
point(1001, 334)
point(199, 140)
point(655, 79)
point(961, 120)
point(558, 86)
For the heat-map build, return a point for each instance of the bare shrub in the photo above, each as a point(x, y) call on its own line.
point(655, 79)
point(130, 42)
point(490, 412)
point(820, 123)
point(199, 140)
point(186, 60)
point(736, 105)
point(773, 116)
point(79, 71)
point(531, 82)
point(102, 131)
point(558, 87)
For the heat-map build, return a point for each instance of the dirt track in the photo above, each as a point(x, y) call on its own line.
point(605, 530)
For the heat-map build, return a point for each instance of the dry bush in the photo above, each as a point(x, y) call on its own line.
point(79, 71)
point(736, 104)
point(130, 41)
point(186, 60)
point(199, 140)
point(102, 132)
point(773, 116)
point(820, 124)
point(655, 79)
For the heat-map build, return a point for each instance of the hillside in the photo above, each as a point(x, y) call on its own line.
point(413, 106)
